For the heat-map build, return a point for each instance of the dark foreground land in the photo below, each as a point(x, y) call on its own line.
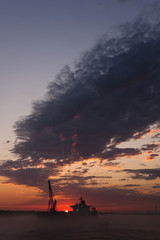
point(110, 226)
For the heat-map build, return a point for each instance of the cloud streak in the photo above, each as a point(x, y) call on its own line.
point(144, 174)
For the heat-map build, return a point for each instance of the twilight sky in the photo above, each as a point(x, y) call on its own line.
point(80, 100)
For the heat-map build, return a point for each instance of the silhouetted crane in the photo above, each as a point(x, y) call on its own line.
point(51, 202)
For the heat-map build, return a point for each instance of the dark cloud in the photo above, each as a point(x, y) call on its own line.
point(157, 136)
point(38, 177)
point(150, 147)
point(112, 95)
point(152, 156)
point(113, 153)
point(84, 163)
point(84, 171)
point(156, 186)
point(80, 179)
point(146, 174)
point(29, 177)
point(109, 164)
point(132, 185)
point(142, 164)
point(24, 174)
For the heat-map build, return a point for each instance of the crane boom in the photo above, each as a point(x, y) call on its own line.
point(50, 189)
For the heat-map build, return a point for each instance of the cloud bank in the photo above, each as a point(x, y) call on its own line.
point(112, 94)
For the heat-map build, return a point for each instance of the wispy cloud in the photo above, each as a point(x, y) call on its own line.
point(132, 185)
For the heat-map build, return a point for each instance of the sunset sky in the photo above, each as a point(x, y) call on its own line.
point(80, 103)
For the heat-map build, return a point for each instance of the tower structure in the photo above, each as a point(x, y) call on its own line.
point(51, 202)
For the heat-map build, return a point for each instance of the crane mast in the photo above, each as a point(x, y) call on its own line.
point(51, 202)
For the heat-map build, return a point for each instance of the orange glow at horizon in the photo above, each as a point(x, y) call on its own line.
point(16, 197)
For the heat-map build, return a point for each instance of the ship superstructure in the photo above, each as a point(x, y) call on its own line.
point(81, 208)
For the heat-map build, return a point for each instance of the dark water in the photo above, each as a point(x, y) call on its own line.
point(113, 227)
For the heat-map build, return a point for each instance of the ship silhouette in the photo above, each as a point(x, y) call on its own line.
point(83, 209)
point(78, 209)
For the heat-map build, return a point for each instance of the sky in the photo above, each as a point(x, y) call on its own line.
point(80, 103)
